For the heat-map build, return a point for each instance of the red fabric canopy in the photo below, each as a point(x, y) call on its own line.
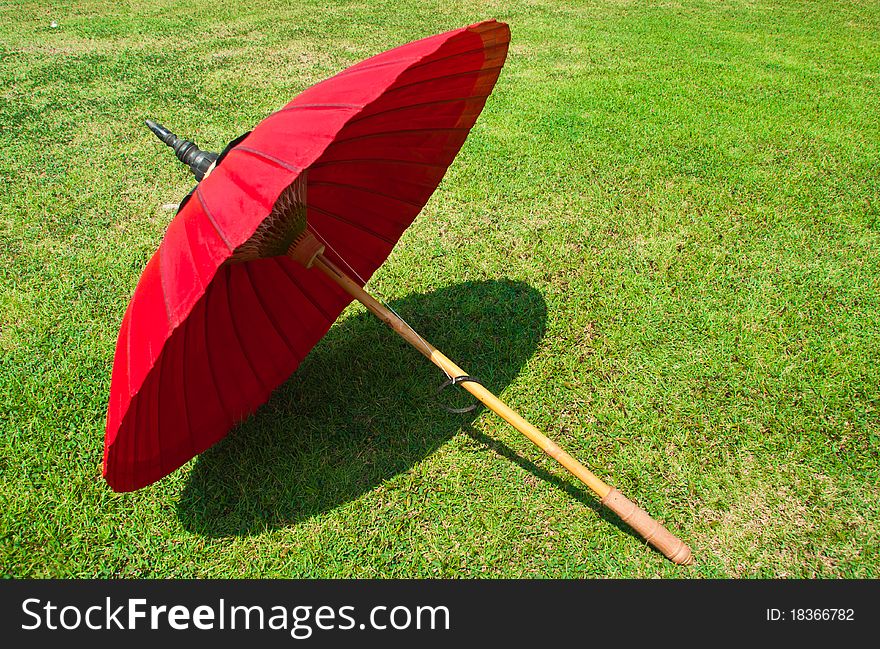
point(204, 343)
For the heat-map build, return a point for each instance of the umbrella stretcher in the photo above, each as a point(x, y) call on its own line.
point(281, 233)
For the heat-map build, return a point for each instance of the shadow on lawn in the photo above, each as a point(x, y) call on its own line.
point(362, 408)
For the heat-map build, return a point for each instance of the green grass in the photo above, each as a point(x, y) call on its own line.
point(661, 243)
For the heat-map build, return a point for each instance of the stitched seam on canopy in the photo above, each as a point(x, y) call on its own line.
point(329, 183)
point(278, 331)
point(295, 312)
point(127, 366)
point(477, 71)
point(424, 59)
point(211, 371)
point(354, 69)
point(358, 226)
point(125, 445)
point(162, 253)
point(436, 60)
point(235, 332)
point(289, 108)
point(307, 295)
point(399, 131)
point(158, 412)
point(465, 53)
point(411, 106)
point(211, 218)
point(483, 48)
point(413, 163)
point(184, 331)
point(266, 156)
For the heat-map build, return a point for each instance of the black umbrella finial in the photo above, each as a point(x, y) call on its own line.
point(186, 151)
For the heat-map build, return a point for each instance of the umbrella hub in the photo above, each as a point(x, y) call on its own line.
point(305, 249)
point(279, 232)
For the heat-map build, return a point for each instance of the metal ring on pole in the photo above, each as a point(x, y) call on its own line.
point(455, 381)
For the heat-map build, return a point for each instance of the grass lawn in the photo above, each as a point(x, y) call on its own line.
point(661, 243)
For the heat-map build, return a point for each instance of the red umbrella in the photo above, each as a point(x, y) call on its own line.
point(231, 302)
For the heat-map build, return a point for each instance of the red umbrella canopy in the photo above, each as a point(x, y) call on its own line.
point(204, 342)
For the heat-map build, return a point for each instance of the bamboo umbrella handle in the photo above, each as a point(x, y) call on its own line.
point(636, 517)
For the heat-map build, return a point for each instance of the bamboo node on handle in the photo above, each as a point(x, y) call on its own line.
point(637, 518)
point(651, 530)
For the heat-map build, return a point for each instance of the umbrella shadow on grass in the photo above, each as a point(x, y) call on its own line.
point(362, 408)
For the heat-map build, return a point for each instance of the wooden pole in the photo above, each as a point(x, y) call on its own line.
point(629, 512)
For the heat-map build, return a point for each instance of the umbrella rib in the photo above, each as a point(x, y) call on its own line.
point(127, 449)
point(307, 295)
point(440, 78)
point(435, 102)
point(294, 312)
point(367, 190)
point(356, 69)
point(235, 332)
point(452, 56)
point(399, 131)
point(278, 330)
point(412, 163)
point(269, 157)
point(289, 108)
point(158, 411)
point(360, 227)
point(483, 48)
point(211, 371)
point(162, 378)
point(184, 329)
point(123, 439)
point(162, 253)
point(211, 218)
point(128, 350)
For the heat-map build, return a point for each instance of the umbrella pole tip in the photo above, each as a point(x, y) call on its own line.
point(200, 162)
point(160, 131)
